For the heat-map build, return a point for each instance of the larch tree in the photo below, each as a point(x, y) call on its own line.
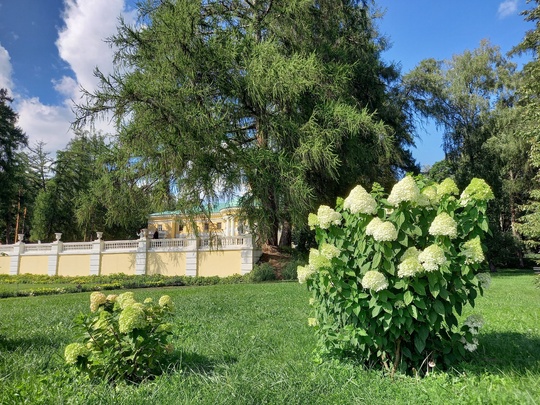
point(529, 116)
point(283, 102)
point(12, 139)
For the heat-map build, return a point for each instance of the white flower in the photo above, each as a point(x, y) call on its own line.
point(327, 216)
point(404, 190)
point(304, 272)
point(432, 257)
point(360, 201)
point(409, 267)
point(96, 300)
point(484, 279)
point(429, 193)
point(447, 187)
point(329, 251)
point(317, 260)
point(471, 347)
point(474, 322)
point(443, 225)
point(374, 280)
point(472, 250)
point(410, 252)
point(477, 190)
point(381, 230)
point(313, 221)
point(313, 322)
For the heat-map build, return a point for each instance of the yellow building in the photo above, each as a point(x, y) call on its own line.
point(223, 221)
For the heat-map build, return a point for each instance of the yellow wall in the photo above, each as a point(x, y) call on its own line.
point(166, 263)
point(219, 263)
point(74, 265)
point(4, 264)
point(34, 265)
point(117, 263)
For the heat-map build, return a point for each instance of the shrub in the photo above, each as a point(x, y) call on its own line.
point(122, 338)
point(262, 272)
point(391, 275)
point(289, 272)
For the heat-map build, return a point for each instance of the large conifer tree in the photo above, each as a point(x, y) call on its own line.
point(285, 102)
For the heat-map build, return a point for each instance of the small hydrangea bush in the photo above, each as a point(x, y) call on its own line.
point(392, 275)
point(123, 339)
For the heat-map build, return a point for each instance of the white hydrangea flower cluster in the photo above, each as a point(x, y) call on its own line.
point(429, 196)
point(410, 252)
point(405, 190)
point(484, 279)
point(382, 231)
point(165, 301)
point(132, 317)
point(313, 221)
point(73, 351)
point(472, 250)
point(317, 260)
point(126, 299)
point(360, 201)
point(443, 225)
point(474, 322)
point(432, 257)
point(313, 322)
point(329, 251)
point(96, 300)
point(477, 190)
point(304, 272)
point(410, 267)
point(447, 187)
point(374, 280)
point(327, 216)
point(471, 347)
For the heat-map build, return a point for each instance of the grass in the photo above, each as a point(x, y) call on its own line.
point(250, 344)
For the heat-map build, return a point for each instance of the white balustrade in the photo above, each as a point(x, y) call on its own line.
point(76, 246)
point(121, 245)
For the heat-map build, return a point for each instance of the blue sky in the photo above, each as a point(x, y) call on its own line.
point(49, 48)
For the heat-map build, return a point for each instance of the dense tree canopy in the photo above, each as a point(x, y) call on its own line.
point(12, 139)
point(285, 103)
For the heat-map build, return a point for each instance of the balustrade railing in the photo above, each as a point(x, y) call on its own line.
point(77, 246)
point(121, 245)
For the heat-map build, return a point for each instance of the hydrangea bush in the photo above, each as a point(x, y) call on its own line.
point(392, 275)
point(123, 339)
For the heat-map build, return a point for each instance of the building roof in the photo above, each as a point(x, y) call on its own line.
point(215, 209)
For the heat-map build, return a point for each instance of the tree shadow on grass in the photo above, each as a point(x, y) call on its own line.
point(502, 352)
point(28, 343)
point(194, 363)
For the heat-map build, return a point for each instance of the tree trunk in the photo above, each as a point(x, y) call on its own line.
point(286, 235)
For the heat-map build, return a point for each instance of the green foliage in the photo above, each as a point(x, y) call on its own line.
point(289, 271)
point(31, 285)
point(271, 99)
point(12, 138)
point(262, 272)
point(123, 339)
point(250, 344)
point(392, 275)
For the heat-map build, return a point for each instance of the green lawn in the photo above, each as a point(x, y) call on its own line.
point(250, 344)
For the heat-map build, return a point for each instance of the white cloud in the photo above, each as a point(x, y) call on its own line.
point(67, 86)
point(507, 8)
point(5, 69)
point(47, 123)
point(81, 43)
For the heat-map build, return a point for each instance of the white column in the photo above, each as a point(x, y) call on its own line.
point(95, 257)
point(52, 266)
point(140, 257)
point(246, 254)
point(15, 260)
point(191, 257)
